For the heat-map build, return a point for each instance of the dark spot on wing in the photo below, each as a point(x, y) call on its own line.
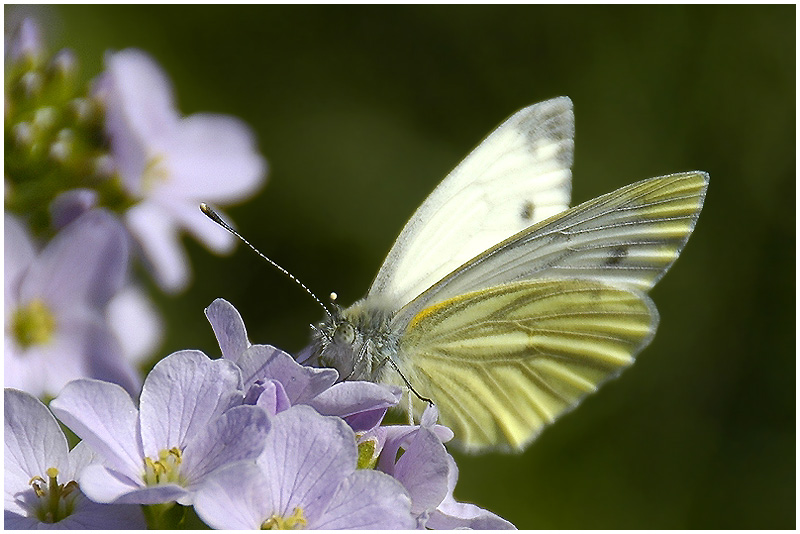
point(527, 211)
point(617, 255)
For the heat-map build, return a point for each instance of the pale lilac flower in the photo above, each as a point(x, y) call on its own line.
point(40, 474)
point(423, 466)
point(189, 423)
point(26, 41)
point(70, 205)
point(171, 163)
point(429, 474)
point(275, 381)
point(306, 478)
point(136, 323)
point(450, 514)
point(55, 325)
point(131, 314)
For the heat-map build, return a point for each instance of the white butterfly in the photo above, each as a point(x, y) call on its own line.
point(500, 304)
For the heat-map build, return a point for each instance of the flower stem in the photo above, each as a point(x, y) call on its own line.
point(164, 516)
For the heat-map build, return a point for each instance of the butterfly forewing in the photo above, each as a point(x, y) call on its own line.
point(519, 175)
point(502, 363)
point(629, 237)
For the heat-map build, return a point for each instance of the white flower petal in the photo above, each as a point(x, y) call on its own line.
point(104, 485)
point(234, 497)
point(367, 500)
point(140, 114)
point(182, 395)
point(306, 456)
point(103, 415)
point(214, 448)
point(81, 347)
point(19, 255)
point(156, 232)
point(135, 322)
point(229, 329)
point(213, 158)
point(83, 265)
point(212, 235)
point(33, 440)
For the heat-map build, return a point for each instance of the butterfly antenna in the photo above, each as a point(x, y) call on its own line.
point(214, 216)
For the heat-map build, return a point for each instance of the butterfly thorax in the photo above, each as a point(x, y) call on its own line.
point(356, 341)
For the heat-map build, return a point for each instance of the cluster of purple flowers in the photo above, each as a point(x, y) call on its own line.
point(251, 440)
point(94, 177)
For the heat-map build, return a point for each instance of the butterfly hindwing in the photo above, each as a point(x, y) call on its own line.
point(519, 175)
point(502, 363)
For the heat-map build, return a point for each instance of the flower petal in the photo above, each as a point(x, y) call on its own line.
point(70, 205)
point(271, 397)
point(84, 264)
point(367, 500)
point(80, 457)
point(135, 322)
point(239, 434)
point(103, 415)
point(140, 114)
point(423, 471)
point(26, 41)
point(452, 515)
point(82, 346)
point(89, 515)
point(33, 440)
point(213, 158)
point(105, 485)
point(188, 215)
point(183, 394)
point(306, 457)
point(301, 383)
point(103, 356)
point(234, 497)
point(363, 403)
point(19, 255)
point(229, 329)
point(156, 232)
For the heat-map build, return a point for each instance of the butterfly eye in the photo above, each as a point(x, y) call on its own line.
point(345, 333)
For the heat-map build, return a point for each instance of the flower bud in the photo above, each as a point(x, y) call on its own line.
point(44, 118)
point(104, 166)
point(60, 151)
point(23, 133)
point(31, 83)
point(27, 42)
point(64, 63)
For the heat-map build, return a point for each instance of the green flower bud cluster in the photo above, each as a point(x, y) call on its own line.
point(54, 138)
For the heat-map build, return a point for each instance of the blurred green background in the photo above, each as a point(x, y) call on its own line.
point(361, 111)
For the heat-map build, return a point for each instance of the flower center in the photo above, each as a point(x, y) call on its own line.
point(154, 173)
point(368, 453)
point(33, 324)
point(55, 501)
point(296, 521)
point(165, 470)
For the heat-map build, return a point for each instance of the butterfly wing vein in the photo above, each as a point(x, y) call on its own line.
point(504, 362)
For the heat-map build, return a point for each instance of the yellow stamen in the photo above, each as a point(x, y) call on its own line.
point(55, 501)
point(33, 324)
point(165, 470)
point(296, 521)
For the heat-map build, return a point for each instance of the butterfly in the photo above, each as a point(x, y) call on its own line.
point(501, 304)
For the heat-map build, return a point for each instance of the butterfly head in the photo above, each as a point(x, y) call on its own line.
point(356, 341)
